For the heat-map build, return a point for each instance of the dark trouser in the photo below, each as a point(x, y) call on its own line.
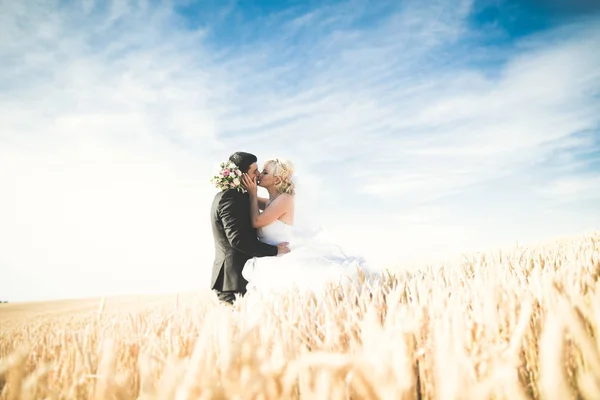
point(227, 296)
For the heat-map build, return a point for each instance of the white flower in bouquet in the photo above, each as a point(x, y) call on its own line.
point(226, 176)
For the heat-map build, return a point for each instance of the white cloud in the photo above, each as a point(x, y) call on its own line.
point(376, 101)
point(473, 133)
point(572, 189)
point(401, 133)
point(114, 113)
point(106, 133)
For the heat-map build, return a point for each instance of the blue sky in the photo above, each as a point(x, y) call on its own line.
point(419, 129)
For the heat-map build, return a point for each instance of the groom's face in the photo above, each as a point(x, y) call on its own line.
point(253, 171)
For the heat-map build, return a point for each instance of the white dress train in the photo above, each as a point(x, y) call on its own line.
point(312, 264)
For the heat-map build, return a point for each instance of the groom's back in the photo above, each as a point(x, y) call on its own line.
point(228, 260)
point(220, 238)
point(215, 221)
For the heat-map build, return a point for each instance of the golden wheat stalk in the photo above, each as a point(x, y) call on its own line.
point(521, 324)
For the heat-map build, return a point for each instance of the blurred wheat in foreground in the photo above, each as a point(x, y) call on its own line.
point(512, 325)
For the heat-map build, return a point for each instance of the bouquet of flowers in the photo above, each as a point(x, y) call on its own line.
point(228, 176)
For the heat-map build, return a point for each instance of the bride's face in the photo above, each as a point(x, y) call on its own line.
point(266, 178)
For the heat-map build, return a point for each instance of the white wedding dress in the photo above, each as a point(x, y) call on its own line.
point(312, 265)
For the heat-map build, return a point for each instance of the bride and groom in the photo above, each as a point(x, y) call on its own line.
point(256, 245)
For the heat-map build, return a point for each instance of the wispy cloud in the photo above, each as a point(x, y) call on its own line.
point(105, 132)
point(406, 92)
point(416, 129)
point(418, 112)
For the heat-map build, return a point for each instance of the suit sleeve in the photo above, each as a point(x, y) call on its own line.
point(236, 222)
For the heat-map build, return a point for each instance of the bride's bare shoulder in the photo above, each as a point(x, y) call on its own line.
point(286, 198)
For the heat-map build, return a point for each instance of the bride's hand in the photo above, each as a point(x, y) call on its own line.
point(249, 184)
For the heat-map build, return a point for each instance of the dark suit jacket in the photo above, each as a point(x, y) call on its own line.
point(235, 240)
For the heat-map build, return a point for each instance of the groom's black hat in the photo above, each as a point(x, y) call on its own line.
point(243, 160)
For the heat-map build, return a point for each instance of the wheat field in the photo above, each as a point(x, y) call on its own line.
point(513, 324)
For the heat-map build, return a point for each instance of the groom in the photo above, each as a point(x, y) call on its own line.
point(235, 238)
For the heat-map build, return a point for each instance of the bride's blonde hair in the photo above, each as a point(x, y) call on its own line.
point(284, 170)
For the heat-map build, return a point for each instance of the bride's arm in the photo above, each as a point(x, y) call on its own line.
point(276, 209)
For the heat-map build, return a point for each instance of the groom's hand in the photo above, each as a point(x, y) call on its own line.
point(282, 249)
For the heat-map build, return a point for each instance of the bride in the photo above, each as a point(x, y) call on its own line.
point(312, 264)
